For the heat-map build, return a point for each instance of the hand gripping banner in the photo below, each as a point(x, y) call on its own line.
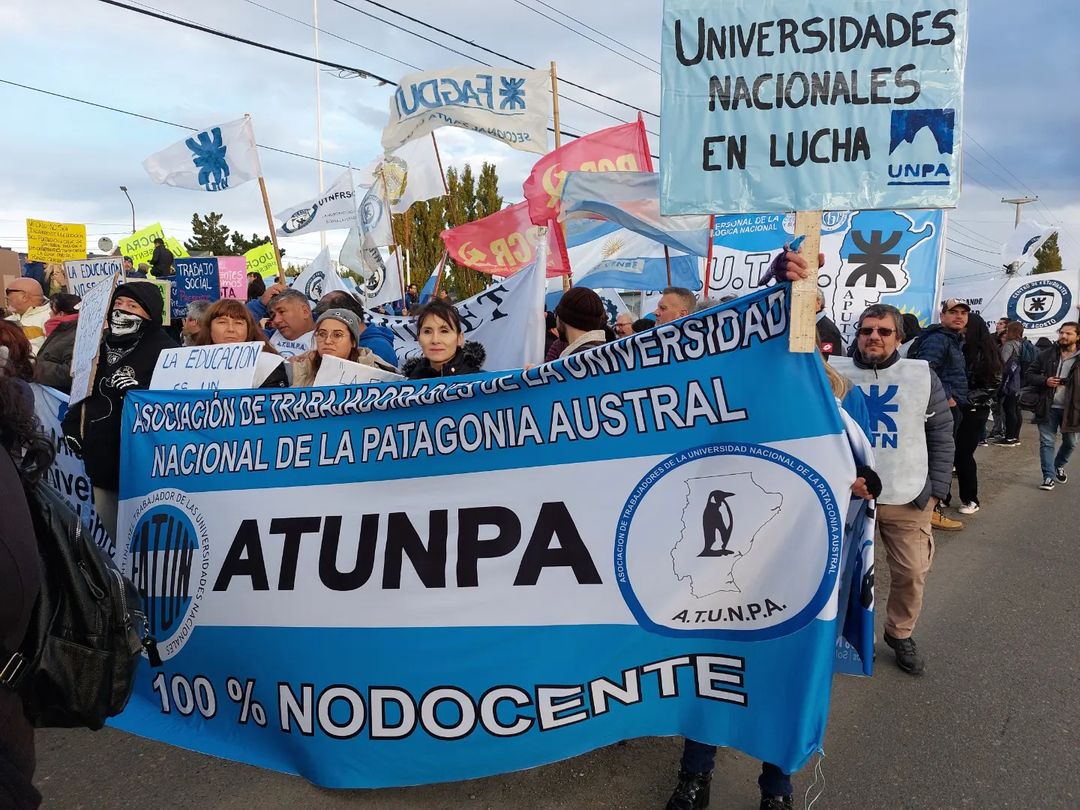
point(391, 584)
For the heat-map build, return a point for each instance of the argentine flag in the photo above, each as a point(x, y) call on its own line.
point(603, 254)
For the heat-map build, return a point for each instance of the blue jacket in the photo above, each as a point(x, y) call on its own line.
point(381, 342)
point(941, 348)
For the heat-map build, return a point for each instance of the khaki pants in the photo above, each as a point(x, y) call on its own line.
point(909, 545)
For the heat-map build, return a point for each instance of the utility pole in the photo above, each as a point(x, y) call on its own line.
point(1019, 202)
point(318, 106)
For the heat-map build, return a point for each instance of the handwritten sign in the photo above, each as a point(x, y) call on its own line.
point(92, 314)
point(195, 280)
point(139, 247)
point(335, 371)
point(232, 276)
point(833, 105)
point(224, 366)
point(82, 274)
point(261, 260)
point(54, 242)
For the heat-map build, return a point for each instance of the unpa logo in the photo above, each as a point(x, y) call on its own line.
point(754, 553)
point(299, 219)
point(168, 559)
point(1040, 304)
point(918, 164)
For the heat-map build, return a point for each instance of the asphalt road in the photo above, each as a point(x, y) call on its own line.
point(993, 723)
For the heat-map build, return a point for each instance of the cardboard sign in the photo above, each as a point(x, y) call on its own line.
point(232, 277)
point(335, 371)
point(195, 280)
point(261, 260)
point(835, 105)
point(82, 274)
point(225, 366)
point(92, 314)
point(54, 242)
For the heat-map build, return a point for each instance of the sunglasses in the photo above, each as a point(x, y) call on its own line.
point(884, 331)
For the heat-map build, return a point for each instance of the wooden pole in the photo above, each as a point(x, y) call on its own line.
point(273, 230)
point(667, 264)
point(709, 256)
point(566, 280)
point(438, 159)
point(803, 335)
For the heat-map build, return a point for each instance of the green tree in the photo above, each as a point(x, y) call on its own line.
point(1048, 257)
point(210, 235)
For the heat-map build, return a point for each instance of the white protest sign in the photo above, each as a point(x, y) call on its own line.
point(225, 366)
point(92, 314)
point(335, 371)
point(82, 274)
point(265, 366)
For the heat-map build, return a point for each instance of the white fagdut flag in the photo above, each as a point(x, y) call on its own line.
point(329, 211)
point(509, 104)
point(1024, 241)
point(411, 173)
point(318, 278)
point(217, 158)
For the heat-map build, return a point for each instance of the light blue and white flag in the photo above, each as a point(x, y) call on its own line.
point(215, 159)
point(604, 254)
point(432, 580)
point(632, 199)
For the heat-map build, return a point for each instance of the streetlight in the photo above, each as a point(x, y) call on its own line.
point(124, 189)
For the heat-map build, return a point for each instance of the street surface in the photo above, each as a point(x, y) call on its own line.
point(993, 723)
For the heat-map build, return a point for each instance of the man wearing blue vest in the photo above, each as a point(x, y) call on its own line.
point(912, 432)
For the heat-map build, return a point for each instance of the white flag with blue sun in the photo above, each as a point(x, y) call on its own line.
point(215, 159)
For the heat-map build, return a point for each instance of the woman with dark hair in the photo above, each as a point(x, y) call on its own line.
point(982, 360)
point(53, 364)
point(256, 286)
point(229, 321)
point(26, 455)
point(1011, 352)
point(16, 353)
point(446, 352)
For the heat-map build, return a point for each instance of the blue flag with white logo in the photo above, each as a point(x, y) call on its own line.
point(400, 583)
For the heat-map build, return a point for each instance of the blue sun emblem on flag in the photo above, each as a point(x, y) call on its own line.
point(512, 93)
point(208, 155)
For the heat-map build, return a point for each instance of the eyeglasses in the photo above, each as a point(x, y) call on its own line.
point(324, 336)
point(884, 331)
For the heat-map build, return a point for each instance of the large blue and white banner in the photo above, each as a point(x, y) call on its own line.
point(769, 105)
point(412, 582)
point(871, 257)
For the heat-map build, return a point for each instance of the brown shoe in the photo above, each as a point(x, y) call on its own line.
point(945, 524)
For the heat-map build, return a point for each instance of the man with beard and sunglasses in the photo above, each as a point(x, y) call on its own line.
point(126, 360)
point(912, 432)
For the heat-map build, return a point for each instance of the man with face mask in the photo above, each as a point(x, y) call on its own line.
point(126, 360)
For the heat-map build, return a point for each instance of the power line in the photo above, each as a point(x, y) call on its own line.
point(596, 31)
point(444, 32)
point(969, 258)
point(367, 74)
point(585, 36)
point(332, 34)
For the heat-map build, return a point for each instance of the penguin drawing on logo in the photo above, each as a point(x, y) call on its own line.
point(717, 520)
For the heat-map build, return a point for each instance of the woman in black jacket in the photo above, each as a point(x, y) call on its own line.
point(126, 360)
point(52, 366)
point(446, 352)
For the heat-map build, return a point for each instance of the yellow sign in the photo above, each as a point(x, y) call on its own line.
point(165, 288)
point(54, 242)
point(261, 260)
point(139, 247)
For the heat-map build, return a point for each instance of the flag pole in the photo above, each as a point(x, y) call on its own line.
point(266, 204)
point(566, 279)
point(709, 255)
point(439, 272)
point(397, 250)
point(667, 264)
point(803, 335)
point(438, 159)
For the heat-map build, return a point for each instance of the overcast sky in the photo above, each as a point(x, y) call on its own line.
point(65, 161)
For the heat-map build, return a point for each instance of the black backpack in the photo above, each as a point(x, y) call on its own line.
point(76, 666)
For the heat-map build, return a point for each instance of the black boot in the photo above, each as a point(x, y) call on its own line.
point(775, 802)
point(692, 792)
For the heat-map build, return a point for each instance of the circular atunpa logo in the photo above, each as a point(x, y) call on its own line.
point(753, 550)
point(168, 559)
point(1040, 304)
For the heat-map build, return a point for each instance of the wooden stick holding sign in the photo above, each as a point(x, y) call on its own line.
point(266, 208)
point(803, 334)
point(566, 280)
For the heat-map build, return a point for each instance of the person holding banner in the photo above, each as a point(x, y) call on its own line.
point(377, 339)
point(446, 353)
point(337, 334)
point(53, 364)
point(126, 360)
point(227, 320)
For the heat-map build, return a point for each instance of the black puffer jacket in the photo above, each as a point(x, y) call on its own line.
point(53, 363)
point(93, 426)
point(469, 360)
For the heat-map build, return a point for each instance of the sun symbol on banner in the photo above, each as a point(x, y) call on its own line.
point(924, 321)
point(512, 93)
point(394, 172)
point(611, 247)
